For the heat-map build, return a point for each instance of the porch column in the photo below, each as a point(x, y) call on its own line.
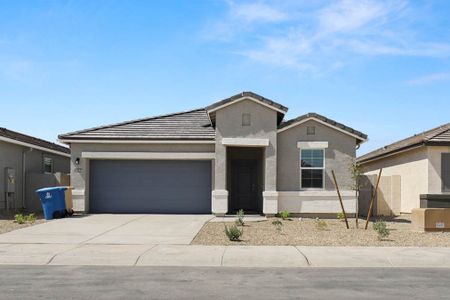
point(219, 195)
point(270, 194)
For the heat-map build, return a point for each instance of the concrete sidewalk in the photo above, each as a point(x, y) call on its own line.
point(222, 256)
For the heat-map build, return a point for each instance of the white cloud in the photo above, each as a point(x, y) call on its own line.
point(256, 12)
point(430, 78)
point(319, 38)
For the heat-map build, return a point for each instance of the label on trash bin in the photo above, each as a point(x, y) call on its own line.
point(48, 195)
point(440, 225)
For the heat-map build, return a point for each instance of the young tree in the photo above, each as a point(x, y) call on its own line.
point(357, 173)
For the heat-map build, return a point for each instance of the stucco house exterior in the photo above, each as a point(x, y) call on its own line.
point(418, 165)
point(27, 163)
point(237, 153)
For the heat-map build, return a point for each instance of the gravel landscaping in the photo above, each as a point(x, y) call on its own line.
point(307, 232)
point(7, 222)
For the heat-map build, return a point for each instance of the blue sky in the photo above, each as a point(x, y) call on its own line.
point(382, 67)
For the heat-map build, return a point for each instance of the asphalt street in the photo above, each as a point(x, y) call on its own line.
point(76, 282)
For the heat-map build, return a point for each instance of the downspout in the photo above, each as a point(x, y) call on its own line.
point(24, 177)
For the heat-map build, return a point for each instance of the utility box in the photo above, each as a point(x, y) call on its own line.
point(10, 180)
point(430, 219)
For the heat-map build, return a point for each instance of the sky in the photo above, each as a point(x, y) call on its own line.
point(381, 67)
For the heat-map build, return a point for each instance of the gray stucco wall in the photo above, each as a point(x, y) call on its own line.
point(338, 156)
point(80, 173)
point(11, 156)
point(263, 125)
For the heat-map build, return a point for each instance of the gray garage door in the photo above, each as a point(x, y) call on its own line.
point(135, 186)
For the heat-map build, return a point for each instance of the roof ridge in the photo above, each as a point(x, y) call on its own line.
point(131, 121)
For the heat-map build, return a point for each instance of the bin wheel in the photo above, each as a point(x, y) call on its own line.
point(57, 215)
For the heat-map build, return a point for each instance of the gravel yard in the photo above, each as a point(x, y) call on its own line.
point(306, 232)
point(7, 222)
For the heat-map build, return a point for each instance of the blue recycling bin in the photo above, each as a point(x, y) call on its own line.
point(53, 202)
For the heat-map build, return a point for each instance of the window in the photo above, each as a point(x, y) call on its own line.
point(310, 130)
point(48, 165)
point(312, 164)
point(445, 172)
point(246, 120)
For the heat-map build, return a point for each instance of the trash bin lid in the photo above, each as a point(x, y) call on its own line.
point(51, 189)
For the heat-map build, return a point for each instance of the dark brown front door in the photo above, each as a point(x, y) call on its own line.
point(244, 185)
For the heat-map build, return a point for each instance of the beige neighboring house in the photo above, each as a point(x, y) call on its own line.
point(413, 168)
point(238, 153)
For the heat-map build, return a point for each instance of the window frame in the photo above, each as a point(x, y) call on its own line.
point(44, 158)
point(323, 168)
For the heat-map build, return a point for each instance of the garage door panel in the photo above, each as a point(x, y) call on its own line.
point(150, 186)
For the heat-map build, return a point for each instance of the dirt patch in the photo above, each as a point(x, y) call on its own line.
point(307, 232)
point(7, 222)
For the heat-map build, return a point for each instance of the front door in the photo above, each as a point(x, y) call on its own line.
point(244, 185)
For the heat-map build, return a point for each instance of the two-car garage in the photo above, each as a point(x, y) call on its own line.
point(150, 186)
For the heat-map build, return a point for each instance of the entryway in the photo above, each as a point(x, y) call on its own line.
point(245, 179)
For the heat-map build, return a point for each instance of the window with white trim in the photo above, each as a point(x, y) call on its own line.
point(312, 165)
point(48, 164)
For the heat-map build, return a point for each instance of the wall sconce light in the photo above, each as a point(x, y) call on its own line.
point(77, 161)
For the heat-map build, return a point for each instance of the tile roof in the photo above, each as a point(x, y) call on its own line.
point(247, 94)
point(323, 119)
point(20, 137)
point(436, 136)
point(188, 125)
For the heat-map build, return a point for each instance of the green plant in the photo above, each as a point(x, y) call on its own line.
point(31, 218)
point(19, 219)
point(285, 215)
point(278, 225)
point(381, 228)
point(341, 216)
point(233, 233)
point(240, 217)
point(321, 224)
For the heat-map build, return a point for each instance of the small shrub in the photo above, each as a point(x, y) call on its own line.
point(19, 219)
point(381, 228)
point(240, 217)
point(321, 224)
point(341, 216)
point(285, 215)
point(233, 233)
point(31, 218)
point(278, 225)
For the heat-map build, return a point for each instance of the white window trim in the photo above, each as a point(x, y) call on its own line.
point(306, 168)
point(312, 145)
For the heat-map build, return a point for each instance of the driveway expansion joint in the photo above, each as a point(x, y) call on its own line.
point(304, 256)
point(142, 254)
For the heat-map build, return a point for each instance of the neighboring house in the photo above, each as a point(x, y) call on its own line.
point(411, 167)
point(23, 159)
point(235, 154)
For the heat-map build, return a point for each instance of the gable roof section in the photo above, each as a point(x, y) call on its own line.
point(10, 136)
point(188, 125)
point(434, 137)
point(280, 109)
point(321, 119)
point(247, 95)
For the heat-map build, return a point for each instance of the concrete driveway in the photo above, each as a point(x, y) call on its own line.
point(112, 229)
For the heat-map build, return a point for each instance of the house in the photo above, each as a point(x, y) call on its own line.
point(28, 163)
point(418, 165)
point(237, 153)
